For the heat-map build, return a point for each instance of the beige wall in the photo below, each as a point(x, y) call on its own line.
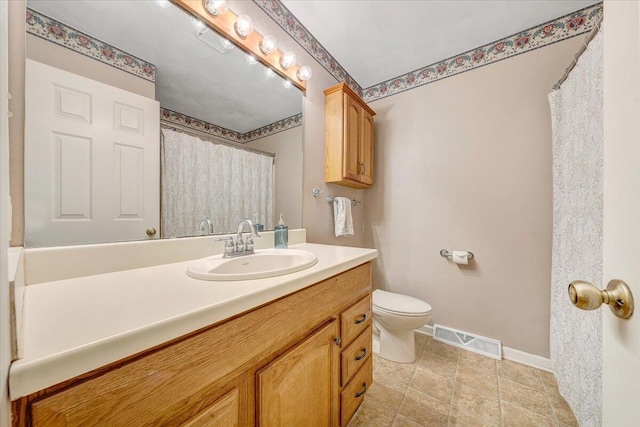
point(465, 163)
point(17, 27)
point(287, 146)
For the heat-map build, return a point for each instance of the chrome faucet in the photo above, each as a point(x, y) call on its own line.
point(206, 227)
point(240, 245)
point(240, 248)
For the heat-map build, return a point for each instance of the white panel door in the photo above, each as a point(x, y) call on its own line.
point(92, 160)
point(621, 242)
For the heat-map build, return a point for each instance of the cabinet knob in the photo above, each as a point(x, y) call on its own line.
point(151, 232)
point(337, 340)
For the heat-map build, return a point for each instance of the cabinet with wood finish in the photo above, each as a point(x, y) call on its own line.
point(349, 137)
point(272, 365)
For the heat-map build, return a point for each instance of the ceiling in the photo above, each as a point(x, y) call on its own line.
point(379, 40)
point(191, 77)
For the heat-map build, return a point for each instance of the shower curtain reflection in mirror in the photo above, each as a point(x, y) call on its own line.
point(202, 179)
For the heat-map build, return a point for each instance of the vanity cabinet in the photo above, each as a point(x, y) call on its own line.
point(284, 363)
point(349, 138)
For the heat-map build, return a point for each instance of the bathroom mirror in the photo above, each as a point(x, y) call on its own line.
point(224, 117)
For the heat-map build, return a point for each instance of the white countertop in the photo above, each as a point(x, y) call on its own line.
point(76, 325)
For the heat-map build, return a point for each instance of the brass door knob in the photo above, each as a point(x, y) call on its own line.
point(618, 296)
point(151, 232)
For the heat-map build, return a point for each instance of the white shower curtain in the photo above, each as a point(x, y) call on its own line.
point(201, 180)
point(576, 335)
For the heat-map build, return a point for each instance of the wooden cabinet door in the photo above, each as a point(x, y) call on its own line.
point(351, 162)
point(300, 388)
point(366, 148)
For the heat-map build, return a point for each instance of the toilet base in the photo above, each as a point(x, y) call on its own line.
point(399, 346)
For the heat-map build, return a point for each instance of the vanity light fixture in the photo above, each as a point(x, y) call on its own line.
point(269, 73)
point(244, 26)
point(268, 45)
point(287, 83)
point(288, 59)
point(216, 7)
point(304, 73)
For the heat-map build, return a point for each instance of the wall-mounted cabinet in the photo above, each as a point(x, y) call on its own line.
point(349, 138)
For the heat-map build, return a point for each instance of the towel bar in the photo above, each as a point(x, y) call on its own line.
point(353, 201)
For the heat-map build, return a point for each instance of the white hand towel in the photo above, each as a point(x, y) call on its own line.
point(342, 216)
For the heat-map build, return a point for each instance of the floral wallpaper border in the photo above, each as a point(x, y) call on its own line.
point(559, 29)
point(169, 116)
point(273, 128)
point(56, 32)
point(292, 26)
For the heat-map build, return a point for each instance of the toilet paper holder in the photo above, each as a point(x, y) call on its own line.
point(446, 254)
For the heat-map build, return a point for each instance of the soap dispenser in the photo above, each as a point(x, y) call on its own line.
point(281, 234)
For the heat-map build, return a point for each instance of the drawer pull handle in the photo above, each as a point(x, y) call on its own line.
point(337, 340)
point(361, 355)
point(361, 319)
point(363, 391)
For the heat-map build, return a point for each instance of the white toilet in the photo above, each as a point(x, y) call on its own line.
point(395, 316)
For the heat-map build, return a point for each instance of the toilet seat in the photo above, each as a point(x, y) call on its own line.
point(402, 305)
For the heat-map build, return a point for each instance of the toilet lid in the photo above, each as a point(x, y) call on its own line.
point(398, 303)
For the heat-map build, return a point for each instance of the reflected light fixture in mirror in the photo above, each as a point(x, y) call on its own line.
point(288, 59)
point(216, 7)
point(244, 26)
point(268, 45)
point(235, 28)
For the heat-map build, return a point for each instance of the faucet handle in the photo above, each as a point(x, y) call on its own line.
point(229, 247)
point(248, 246)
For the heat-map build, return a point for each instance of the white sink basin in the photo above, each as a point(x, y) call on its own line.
point(264, 263)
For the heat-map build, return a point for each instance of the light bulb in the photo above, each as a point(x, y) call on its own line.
point(268, 72)
point(288, 59)
point(268, 44)
point(216, 7)
point(304, 73)
point(244, 26)
point(226, 44)
point(251, 60)
point(287, 84)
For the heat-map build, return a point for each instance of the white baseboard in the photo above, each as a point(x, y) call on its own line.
point(528, 359)
point(509, 353)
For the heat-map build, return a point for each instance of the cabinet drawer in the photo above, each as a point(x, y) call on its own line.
point(354, 320)
point(353, 394)
point(355, 356)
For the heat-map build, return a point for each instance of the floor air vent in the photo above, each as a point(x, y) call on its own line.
point(467, 341)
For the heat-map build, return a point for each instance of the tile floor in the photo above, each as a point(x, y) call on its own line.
point(450, 387)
